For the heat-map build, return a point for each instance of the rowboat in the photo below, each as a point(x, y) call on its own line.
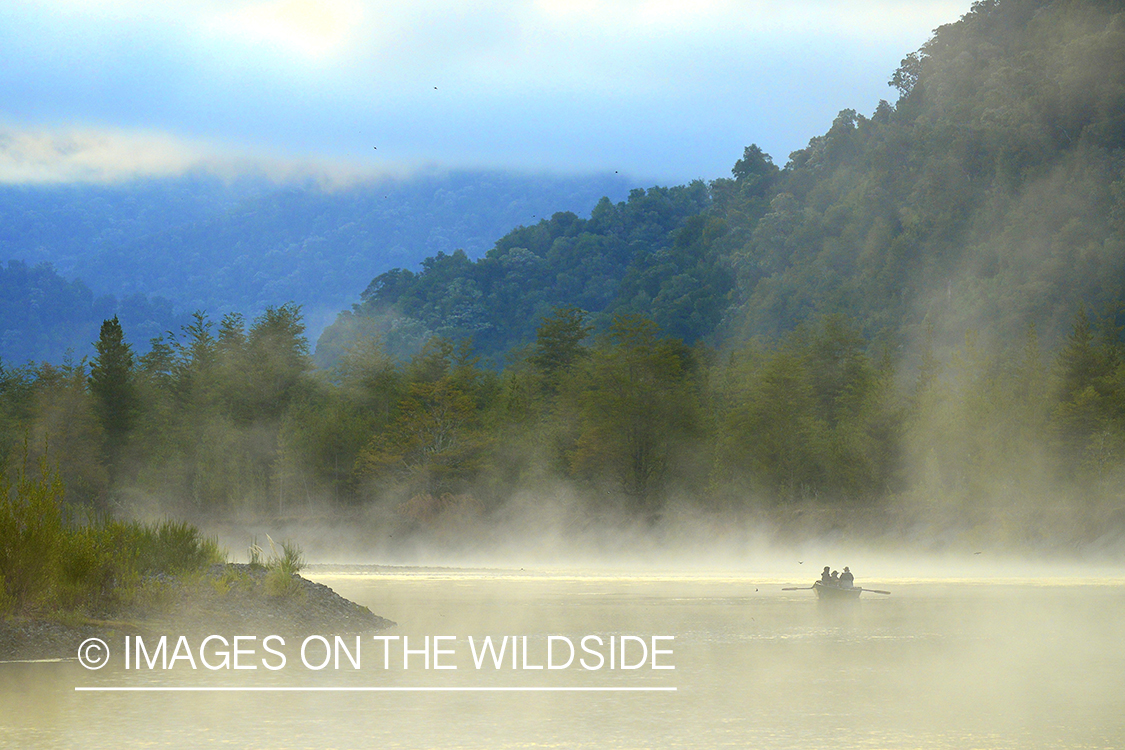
point(824, 591)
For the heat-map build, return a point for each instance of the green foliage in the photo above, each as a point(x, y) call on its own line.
point(114, 391)
point(988, 197)
point(434, 443)
point(168, 547)
point(812, 418)
point(558, 343)
point(217, 244)
point(46, 315)
point(217, 407)
point(620, 259)
point(983, 199)
point(637, 409)
point(62, 428)
point(290, 560)
point(1088, 417)
point(895, 311)
point(51, 562)
point(31, 534)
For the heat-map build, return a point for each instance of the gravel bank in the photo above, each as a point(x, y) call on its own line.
point(231, 599)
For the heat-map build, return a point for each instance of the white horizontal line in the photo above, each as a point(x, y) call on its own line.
point(373, 689)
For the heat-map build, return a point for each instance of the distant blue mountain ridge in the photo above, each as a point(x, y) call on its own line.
point(154, 251)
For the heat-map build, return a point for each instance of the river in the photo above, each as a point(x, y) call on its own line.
point(939, 663)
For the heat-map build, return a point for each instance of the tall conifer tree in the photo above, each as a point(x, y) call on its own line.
point(114, 391)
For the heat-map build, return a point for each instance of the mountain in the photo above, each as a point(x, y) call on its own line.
point(989, 197)
point(44, 317)
point(620, 257)
point(247, 245)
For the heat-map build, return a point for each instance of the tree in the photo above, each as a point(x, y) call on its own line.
point(278, 357)
point(558, 343)
point(114, 391)
point(1084, 408)
point(433, 446)
point(637, 411)
point(755, 173)
point(906, 77)
point(773, 434)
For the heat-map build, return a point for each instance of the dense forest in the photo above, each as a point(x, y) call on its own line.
point(915, 323)
point(617, 260)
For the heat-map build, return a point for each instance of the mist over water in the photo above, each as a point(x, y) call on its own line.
point(945, 661)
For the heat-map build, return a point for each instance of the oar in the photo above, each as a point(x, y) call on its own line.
point(799, 588)
point(876, 591)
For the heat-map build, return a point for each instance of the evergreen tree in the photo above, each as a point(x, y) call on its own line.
point(114, 392)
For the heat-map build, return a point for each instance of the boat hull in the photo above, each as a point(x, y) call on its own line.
point(835, 593)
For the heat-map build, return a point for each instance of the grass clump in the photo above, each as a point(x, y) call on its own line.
point(254, 553)
point(283, 567)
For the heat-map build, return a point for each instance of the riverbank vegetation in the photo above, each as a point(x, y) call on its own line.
point(57, 558)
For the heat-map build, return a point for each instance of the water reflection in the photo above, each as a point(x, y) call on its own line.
point(939, 664)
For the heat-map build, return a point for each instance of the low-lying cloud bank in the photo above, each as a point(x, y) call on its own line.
point(92, 155)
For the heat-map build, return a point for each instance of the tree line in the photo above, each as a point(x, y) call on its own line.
point(233, 420)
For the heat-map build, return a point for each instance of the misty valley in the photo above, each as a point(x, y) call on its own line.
point(483, 458)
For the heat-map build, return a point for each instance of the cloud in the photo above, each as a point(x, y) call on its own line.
point(41, 156)
point(89, 155)
point(664, 88)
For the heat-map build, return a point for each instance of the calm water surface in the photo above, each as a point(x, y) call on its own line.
point(939, 664)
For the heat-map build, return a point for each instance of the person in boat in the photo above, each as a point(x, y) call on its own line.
point(847, 580)
point(826, 576)
point(835, 578)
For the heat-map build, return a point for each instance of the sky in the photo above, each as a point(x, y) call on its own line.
point(659, 90)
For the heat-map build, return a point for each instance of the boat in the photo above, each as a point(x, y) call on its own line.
point(825, 591)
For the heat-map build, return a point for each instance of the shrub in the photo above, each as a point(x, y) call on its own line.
point(52, 562)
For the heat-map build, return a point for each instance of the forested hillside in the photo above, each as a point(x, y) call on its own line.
point(206, 244)
point(620, 259)
point(44, 317)
point(989, 197)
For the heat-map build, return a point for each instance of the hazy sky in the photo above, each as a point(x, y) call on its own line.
point(667, 90)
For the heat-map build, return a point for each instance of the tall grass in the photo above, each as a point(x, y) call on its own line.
point(52, 561)
point(282, 567)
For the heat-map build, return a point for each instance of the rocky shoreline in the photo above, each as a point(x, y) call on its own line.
point(232, 599)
